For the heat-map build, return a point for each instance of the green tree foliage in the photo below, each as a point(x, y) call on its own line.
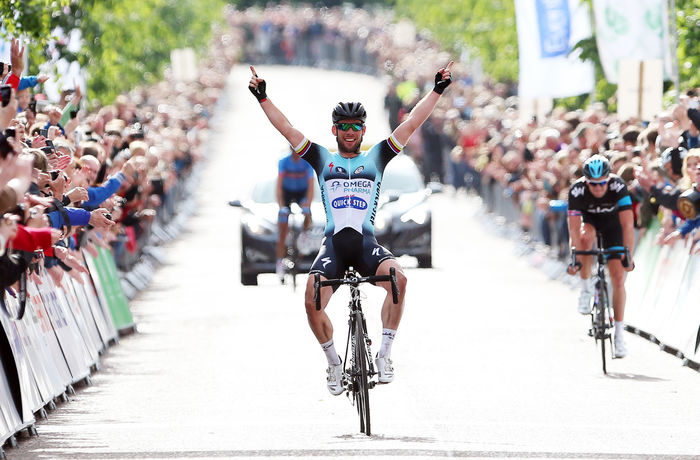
point(126, 42)
point(485, 27)
point(242, 4)
point(33, 18)
point(688, 23)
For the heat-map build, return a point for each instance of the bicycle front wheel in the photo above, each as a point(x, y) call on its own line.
point(601, 320)
point(362, 379)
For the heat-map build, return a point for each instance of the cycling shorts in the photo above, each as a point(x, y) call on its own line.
point(610, 230)
point(348, 248)
point(289, 197)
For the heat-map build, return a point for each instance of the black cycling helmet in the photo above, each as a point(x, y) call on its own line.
point(596, 167)
point(349, 111)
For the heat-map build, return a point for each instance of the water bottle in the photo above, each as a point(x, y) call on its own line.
point(558, 205)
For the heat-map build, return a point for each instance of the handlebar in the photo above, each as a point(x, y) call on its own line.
point(352, 280)
point(597, 252)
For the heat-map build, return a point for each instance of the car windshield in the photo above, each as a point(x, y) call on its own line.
point(266, 191)
point(401, 175)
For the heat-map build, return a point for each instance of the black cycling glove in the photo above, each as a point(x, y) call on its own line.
point(441, 84)
point(259, 92)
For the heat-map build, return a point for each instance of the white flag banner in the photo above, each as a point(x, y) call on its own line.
point(631, 29)
point(547, 31)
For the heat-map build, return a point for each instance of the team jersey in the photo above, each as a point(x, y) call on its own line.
point(295, 175)
point(582, 202)
point(349, 186)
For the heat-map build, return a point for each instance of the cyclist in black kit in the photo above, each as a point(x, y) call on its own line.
point(600, 202)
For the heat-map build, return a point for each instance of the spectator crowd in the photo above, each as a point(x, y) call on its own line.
point(75, 179)
point(477, 139)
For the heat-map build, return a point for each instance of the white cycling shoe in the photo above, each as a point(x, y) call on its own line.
point(279, 269)
point(385, 370)
point(620, 346)
point(335, 378)
point(584, 303)
point(584, 300)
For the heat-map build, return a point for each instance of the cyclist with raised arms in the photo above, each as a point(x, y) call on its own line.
point(600, 202)
point(350, 181)
point(294, 185)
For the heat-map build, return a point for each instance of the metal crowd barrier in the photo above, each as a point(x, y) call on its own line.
point(662, 295)
point(66, 327)
point(55, 345)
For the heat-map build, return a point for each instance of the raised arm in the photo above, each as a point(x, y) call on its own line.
point(257, 86)
point(425, 106)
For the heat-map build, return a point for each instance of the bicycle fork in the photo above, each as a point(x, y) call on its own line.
point(600, 320)
point(350, 374)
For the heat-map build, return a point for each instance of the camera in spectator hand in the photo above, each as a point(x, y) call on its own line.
point(5, 94)
point(689, 204)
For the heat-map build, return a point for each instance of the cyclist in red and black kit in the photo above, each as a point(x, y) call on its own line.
point(600, 202)
point(350, 182)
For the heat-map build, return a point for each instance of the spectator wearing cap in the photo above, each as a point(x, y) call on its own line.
point(138, 148)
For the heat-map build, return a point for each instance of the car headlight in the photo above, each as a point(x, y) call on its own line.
point(381, 222)
point(258, 226)
point(418, 215)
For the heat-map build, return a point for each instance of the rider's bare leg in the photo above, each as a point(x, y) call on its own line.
point(391, 312)
point(319, 321)
point(282, 228)
point(617, 278)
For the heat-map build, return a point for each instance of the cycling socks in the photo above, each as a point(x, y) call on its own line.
point(384, 351)
point(387, 340)
point(331, 354)
point(619, 327)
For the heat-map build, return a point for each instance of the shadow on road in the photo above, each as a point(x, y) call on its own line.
point(380, 437)
point(637, 377)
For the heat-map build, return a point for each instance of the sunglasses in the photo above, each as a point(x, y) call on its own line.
point(597, 184)
point(347, 126)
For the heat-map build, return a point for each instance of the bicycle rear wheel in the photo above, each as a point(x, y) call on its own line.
point(291, 266)
point(361, 376)
point(293, 273)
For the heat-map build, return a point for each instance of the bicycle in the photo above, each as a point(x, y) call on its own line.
point(357, 378)
point(290, 261)
point(601, 318)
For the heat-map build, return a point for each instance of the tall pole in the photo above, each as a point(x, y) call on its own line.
point(674, 48)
